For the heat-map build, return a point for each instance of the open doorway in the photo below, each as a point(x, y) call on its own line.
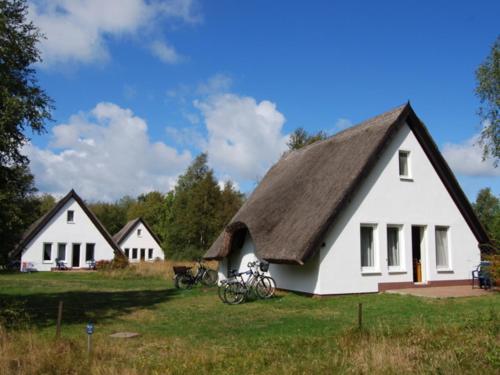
point(417, 247)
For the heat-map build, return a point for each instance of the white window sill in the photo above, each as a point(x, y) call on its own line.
point(370, 271)
point(47, 262)
point(394, 271)
point(70, 222)
point(406, 178)
point(444, 270)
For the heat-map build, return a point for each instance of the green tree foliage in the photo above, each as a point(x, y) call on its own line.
point(301, 138)
point(152, 207)
point(487, 207)
point(46, 203)
point(19, 207)
point(23, 106)
point(488, 91)
point(112, 215)
point(198, 211)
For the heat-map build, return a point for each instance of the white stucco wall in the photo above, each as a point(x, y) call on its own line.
point(144, 241)
point(58, 230)
point(385, 199)
point(290, 277)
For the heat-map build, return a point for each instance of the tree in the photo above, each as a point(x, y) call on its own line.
point(487, 208)
point(197, 211)
point(23, 106)
point(46, 203)
point(301, 138)
point(488, 92)
point(112, 215)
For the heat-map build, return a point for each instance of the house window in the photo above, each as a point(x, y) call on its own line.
point(61, 251)
point(89, 252)
point(393, 246)
point(404, 164)
point(70, 216)
point(139, 232)
point(442, 248)
point(127, 252)
point(150, 253)
point(368, 257)
point(143, 254)
point(134, 253)
point(47, 252)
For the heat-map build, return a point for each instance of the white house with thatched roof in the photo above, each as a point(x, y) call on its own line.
point(374, 207)
point(70, 233)
point(139, 242)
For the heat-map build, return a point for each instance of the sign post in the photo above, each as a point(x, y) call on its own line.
point(90, 331)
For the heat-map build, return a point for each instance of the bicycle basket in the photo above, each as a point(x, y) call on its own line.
point(179, 270)
point(264, 266)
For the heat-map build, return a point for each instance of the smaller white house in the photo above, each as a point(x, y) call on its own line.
point(138, 242)
point(71, 233)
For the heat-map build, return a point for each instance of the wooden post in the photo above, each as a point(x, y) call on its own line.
point(59, 318)
point(360, 315)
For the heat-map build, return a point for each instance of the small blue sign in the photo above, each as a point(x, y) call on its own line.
point(90, 329)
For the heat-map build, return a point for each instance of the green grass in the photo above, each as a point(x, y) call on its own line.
point(193, 331)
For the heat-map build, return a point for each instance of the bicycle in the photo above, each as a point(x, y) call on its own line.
point(184, 278)
point(236, 289)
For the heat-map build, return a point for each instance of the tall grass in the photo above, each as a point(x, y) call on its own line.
point(157, 269)
point(421, 349)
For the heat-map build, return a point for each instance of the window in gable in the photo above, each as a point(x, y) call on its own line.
point(70, 216)
point(404, 164)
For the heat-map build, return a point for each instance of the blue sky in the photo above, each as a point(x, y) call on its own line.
point(141, 87)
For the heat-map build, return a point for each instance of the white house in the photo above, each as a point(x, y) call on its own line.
point(69, 232)
point(374, 207)
point(138, 242)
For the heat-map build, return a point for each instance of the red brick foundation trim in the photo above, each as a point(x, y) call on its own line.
point(408, 284)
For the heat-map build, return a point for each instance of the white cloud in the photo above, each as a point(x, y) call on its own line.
point(244, 137)
point(165, 52)
point(105, 154)
point(466, 159)
point(77, 30)
point(217, 84)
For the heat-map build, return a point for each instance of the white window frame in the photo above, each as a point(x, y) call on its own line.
point(448, 267)
point(87, 261)
point(375, 269)
point(139, 232)
point(67, 217)
point(407, 177)
point(401, 246)
point(136, 253)
point(127, 252)
point(51, 253)
point(152, 253)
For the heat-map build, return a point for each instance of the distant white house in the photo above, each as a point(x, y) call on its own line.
point(374, 207)
point(70, 232)
point(138, 242)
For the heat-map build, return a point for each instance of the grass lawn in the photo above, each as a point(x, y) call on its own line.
point(192, 331)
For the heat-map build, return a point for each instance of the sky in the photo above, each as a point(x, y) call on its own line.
point(142, 87)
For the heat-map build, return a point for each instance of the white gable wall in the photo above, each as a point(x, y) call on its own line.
point(58, 230)
point(384, 199)
point(144, 241)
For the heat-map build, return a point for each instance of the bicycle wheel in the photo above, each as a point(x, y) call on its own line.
point(209, 278)
point(266, 286)
point(220, 290)
point(183, 282)
point(234, 293)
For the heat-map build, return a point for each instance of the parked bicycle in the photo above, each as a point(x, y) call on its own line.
point(241, 285)
point(184, 278)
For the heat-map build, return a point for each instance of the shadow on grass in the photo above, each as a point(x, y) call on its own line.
point(82, 306)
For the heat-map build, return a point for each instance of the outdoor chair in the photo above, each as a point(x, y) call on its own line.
point(483, 275)
point(61, 265)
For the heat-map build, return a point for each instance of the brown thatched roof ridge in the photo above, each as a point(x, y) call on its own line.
point(301, 195)
point(39, 224)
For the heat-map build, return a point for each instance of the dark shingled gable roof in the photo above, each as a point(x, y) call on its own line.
point(38, 225)
point(129, 227)
point(299, 198)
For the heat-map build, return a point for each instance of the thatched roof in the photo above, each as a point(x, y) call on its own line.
point(129, 227)
point(299, 198)
point(39, 224)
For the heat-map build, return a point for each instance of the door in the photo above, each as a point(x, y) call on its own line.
point(143, 254)
point(417, 234)
point(75, 258)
